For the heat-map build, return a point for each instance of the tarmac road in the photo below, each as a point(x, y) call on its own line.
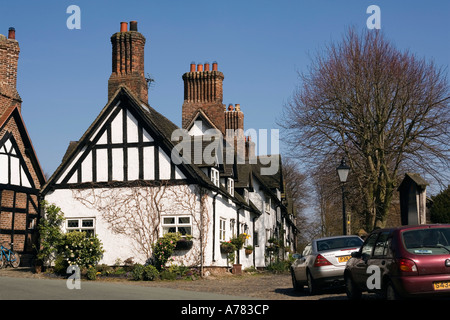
point(12, 288)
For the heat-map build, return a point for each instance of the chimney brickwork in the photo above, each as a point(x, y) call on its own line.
point(128, 62)
point(203, 91)
point(9, 57)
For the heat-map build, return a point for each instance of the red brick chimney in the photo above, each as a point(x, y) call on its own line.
point(9, 57)
point(128, 62)
point(203, 90)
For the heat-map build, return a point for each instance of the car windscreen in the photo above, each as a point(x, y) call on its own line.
point(338, 243)
point(431, 241)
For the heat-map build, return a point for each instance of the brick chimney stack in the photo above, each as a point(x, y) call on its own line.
point(203, 90)
point(128, 62)
point(9, 57)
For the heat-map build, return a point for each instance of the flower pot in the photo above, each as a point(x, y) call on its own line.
point(184, 245)
point(248, 251)
point(237, 269)
point(38, 266)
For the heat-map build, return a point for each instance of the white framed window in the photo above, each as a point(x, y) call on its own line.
point(246, 196)
point(215, 176)
point(173, 224)
point(81, 224)
point(267, 203)
point(230, 186)
point(222, 229)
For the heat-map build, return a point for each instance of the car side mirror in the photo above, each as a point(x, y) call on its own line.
point(356, 254)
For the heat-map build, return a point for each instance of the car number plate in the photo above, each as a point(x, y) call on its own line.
point(343, 258)
point(441, 285)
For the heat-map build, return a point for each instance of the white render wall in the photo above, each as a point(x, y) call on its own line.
point(119, 246)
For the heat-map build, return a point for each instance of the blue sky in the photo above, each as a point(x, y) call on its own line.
point(260, 47)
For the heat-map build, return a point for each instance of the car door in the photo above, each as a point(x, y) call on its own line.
point(359, 269)
point(379, 261)
point(301, 264)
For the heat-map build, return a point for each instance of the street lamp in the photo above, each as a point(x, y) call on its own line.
point(342, 171)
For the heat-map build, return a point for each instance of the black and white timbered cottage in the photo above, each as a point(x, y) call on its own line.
point(121, 181)
point(21, 176)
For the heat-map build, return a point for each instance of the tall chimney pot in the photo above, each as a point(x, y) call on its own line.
point(12, 33)
point(214, 66)
point(123, 27)
point(133, 26)
point(192, 66)
point(206, 66)
point(199, 67)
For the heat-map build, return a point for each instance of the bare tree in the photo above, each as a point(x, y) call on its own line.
point(385, 110)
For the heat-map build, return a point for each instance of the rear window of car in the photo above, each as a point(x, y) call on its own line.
point(432, 241)
point(339, 243)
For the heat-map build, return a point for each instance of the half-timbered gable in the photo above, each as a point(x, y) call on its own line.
point(21, 176)
point(120, 146)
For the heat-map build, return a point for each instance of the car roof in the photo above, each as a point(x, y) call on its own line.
point(412, 227)
point(335, 237)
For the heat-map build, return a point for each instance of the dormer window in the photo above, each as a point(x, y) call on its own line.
point(215, 177)
point(246, 197)
point(230, 186)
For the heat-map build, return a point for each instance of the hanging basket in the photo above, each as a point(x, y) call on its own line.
point(227, 247)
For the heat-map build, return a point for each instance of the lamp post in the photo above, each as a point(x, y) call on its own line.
point(342, 171)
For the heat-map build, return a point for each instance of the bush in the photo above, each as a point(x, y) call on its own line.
point(50, 232)
point(79, 249)
point(91, 273)
point(163, 249)
point(168, 275)
point(150, 273)
point(138, 272)
point(440, 210)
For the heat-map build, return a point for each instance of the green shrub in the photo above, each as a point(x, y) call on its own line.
point(138, 272)
point(50, 233)
point(91, 273)
point(168, 275)
point(79, 249)
point(150, 273)
point(163, 249)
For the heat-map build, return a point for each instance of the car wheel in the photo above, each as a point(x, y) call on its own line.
point(353, 292)
point(295, 283)
point(391, 293)
point(312, 284)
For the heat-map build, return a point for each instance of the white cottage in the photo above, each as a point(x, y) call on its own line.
point(131, 177)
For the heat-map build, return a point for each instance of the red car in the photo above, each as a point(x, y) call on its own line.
point(409, 261)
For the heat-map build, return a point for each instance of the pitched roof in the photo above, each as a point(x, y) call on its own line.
point(162, 126)
point(14, 112)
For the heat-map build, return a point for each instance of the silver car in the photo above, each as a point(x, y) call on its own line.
point(323, 261)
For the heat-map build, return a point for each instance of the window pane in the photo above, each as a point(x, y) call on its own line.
point(381, 244)
point(89, 223)
point(368, 246)
point(184, 220)
point(184, 230)
point(72, 223)
point(169, 230)
point(170, 220)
